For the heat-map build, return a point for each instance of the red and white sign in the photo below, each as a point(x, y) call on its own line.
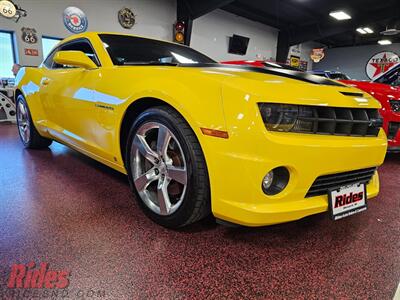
point(317, 54)
point(380, 63)
point(347, 200)
point(31, 52)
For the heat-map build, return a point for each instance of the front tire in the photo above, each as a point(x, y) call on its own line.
point(28, 134)
point(167, 169)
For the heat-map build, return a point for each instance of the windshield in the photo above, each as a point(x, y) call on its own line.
point(131, 50)
point(391, 77)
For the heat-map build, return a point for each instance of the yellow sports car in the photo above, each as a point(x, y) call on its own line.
point(252, 146)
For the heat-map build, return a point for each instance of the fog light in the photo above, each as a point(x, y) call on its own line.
point(267, 181)
point(275, 181)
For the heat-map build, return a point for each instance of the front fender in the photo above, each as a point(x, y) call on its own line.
point(195, 97)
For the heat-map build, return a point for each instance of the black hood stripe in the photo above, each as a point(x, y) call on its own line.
point(296, 75)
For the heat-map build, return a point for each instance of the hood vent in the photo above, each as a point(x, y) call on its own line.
point(350, 94)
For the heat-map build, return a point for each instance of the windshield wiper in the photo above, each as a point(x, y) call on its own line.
point(148, 63)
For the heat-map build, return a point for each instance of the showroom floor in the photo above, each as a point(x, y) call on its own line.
point(59, 207)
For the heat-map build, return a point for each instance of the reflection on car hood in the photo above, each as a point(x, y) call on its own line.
point(296, 75)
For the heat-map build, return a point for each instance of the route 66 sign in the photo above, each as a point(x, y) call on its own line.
point(29, 35)
point(7, 9)
point(126, 18)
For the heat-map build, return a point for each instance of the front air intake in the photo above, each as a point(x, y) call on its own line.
point(345, 121)
point(324, 183)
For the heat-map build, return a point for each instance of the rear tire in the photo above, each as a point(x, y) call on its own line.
point(28, 134)
point(167, 170)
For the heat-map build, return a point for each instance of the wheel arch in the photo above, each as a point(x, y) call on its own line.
point(132, 112)
point(16, 94)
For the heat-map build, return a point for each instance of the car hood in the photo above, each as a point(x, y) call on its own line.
point(285, 86)
point(375, 88)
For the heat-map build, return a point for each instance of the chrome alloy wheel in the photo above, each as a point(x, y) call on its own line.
point(23, 122)
point(158, 168)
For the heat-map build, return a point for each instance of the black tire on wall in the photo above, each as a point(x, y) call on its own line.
point(28, 134)
point(166, 167)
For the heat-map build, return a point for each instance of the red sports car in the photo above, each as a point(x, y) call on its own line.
point(385, 88)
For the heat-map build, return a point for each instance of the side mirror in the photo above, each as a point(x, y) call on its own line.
point(74, 58)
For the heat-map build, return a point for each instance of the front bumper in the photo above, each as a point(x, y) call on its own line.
point(237, 166)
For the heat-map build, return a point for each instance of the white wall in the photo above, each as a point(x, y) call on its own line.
point(211, 33)
point(352, 60)
point(154, 19)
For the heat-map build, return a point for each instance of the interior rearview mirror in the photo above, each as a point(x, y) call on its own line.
point(75, 59)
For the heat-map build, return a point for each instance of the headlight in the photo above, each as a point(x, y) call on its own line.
point(321, 119)
point(286, 117)
point(395, 105)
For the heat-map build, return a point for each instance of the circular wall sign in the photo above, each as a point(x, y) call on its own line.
point(75, 19)
point(126, 18)
point(380, 63)
point(317, 54)
point(7, 9)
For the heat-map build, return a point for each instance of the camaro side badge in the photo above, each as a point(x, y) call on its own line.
point(104, 106)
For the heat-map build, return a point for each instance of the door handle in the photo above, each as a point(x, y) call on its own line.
point(45, 81)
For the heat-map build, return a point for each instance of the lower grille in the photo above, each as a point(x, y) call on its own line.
point(323, 183)
point(392, 130)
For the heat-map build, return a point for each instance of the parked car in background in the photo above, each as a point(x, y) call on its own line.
point(386, 89)
point(334, 75)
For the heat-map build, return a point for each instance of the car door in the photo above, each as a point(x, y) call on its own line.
point(50, 103)
point(67, 95)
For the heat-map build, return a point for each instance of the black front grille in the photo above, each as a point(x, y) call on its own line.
point(323, 183)
point(392, 130)
point(343, 121)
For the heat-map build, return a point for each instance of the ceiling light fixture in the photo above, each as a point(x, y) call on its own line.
point(384, 42)
point(368, 30)
point(390, 31)
point(340, 15)
point(361, 30)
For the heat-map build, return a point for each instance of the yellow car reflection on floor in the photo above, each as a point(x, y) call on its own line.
point(252, 146)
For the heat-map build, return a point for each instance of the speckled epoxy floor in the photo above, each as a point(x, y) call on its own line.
point(59, 207)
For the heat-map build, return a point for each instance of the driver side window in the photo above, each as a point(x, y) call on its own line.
point(396, 79)
point(391, 77)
